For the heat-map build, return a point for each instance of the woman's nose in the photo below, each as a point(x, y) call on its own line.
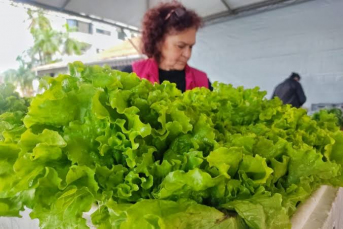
point(187, 52)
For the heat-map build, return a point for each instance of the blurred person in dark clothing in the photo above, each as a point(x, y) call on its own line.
point(290, 91)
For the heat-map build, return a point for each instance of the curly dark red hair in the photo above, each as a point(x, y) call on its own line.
point(163, 19)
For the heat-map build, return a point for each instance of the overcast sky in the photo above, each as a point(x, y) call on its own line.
point(15, 36)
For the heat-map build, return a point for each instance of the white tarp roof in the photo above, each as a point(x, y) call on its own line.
point(263, 50)
point(130, 12)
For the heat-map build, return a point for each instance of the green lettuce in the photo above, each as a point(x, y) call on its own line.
point(148, 156)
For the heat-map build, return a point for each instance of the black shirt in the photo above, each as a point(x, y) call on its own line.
point(174, 76)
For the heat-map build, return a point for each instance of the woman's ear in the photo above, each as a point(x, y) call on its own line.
point(159, 45)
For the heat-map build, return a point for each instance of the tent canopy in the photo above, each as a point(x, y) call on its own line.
point(129, 13)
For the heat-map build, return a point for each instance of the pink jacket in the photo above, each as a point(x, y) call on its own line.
point(148, 69)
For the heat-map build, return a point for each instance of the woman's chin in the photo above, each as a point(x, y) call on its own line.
point(180, 67)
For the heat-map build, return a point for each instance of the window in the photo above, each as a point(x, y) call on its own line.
point(80, 26)
point(105, 32)
point(99, 50)
point(72, 23)
point(121, 34)
point(90, 28)
point(84, 27)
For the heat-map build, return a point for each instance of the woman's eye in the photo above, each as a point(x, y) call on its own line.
point(181, 46)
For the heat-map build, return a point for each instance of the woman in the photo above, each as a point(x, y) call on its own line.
point(168, 36)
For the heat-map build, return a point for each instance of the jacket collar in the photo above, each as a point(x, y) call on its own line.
point(154, 76)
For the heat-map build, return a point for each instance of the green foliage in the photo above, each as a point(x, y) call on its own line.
point(333, 113)
point(49, 42)
point(13, 108)
point(149, 156)
point(48, 45)
point(22, 77)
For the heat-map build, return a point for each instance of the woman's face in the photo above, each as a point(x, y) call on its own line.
point(176, 49)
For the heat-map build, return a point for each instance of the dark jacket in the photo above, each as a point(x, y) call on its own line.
point(290, 92)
